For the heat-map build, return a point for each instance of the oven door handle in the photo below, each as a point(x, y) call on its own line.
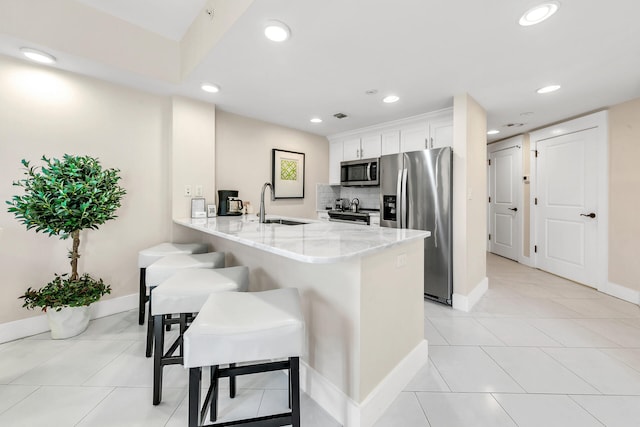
point(350, 221)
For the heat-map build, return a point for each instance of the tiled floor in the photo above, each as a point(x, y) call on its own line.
point(537, 350)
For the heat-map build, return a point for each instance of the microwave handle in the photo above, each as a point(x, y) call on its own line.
point(369, 171)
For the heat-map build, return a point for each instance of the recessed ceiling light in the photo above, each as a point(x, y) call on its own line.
point(277, 31)
point(548, 89)
point(493, 132)
point(211, 88)
point(390, 99)
point(316, 120)
point(539, 13)
point(37, 55)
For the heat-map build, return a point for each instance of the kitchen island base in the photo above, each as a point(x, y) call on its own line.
point(364, 314)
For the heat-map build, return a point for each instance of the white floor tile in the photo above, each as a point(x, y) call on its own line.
point(619, 332)
point(610, 308)
point(12, 394)
point(537, 372)
point(131, 406)
point(432, 335)
point(536, 410)
point(570, 334)
point(612, 411)
point(311, 414)
point(58, 406)
point(427, 379)
point(630, 356)
point(518, 332)
point(605, 373)
point(24, 355)
point(69, 367)
point(404, 411)
point(464, 331)
point(463, 410)
point(469, 369)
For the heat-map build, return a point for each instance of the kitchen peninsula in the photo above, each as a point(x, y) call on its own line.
point(362, 297)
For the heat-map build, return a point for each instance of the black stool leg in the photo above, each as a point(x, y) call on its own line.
point(143, 296)
point(149, 328)
point(213, 409)
point(195, 375)
point(294, 375)
point(158, 352)
point(232, 383)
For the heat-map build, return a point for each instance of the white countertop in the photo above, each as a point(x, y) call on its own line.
point(315, 242)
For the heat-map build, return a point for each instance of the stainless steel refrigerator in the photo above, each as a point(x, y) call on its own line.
point(416, 192)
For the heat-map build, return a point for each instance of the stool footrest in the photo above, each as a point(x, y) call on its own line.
point(266, 421)
point(253, 369)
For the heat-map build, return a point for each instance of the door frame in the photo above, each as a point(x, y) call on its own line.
point(600, 122)
point(515, 141)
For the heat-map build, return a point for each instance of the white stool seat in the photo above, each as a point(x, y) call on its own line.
point(165, 267)
point(187, 290)
point(148, 256)
point(245, 326)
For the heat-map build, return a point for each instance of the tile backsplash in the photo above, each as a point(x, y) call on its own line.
point(327, 194)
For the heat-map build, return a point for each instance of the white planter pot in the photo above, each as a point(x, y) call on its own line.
point(68, 322)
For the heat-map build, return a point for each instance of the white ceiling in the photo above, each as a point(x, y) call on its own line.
point(425, 51)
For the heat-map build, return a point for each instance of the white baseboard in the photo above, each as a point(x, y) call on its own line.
point(38, 324)
point(621, 292)
point(526, 260)
point(348, 412)
point(466, 302)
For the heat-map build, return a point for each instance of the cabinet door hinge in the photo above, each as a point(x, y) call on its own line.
point(489, 162)
point(536, 153)
point(489, 236)
point(489, 199)
point(535, 249)
point(535, 201)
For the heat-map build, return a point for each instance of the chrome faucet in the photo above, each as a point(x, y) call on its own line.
point(261, 213)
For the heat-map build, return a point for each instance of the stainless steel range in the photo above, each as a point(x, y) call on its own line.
point(361, 217)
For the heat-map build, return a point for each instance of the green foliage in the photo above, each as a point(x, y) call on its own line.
point(64, 292)
point(66, 195)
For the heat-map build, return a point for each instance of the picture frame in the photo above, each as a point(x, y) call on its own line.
point(287, 174)
point(212, 210)
point(197, 208)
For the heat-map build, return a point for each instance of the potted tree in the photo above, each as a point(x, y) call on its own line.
point(62, 198)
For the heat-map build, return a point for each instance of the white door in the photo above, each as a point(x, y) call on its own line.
point(441, 133)
point(351, 149)
point(505, 205)
point(370, 146)
point(567, 206)
point(414, 137)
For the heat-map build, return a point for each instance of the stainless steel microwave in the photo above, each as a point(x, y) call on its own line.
point(360, 172)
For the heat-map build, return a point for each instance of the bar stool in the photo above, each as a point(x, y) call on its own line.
point(165, 267)
point(148, 256)
point(234, 327)
point(185, 293)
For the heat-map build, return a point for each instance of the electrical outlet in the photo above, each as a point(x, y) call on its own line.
point(187, 191)
point(198, 190)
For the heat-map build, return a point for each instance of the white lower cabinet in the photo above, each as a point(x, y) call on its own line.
point(374, 220)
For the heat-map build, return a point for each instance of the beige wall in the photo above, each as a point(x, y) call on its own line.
point(49, 112)
point(469, 194)
point(243, 161)
point(624, 194)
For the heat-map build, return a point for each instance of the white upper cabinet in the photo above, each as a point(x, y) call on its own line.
point(414, 137)
point(335, 157)
point(370, 146)
point(366, 147)
point(390, 142)
point(441, 133)
point(351, 149)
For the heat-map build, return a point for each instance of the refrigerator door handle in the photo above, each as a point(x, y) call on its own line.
point(404, 197)
point(399, 199)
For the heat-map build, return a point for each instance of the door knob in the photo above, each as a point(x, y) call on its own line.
point(590, 215)
point(513, 209)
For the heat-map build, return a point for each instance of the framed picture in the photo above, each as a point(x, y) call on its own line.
point(287, 174)
point(211, 211)
point(197, 208)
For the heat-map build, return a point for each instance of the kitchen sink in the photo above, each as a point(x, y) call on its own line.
point(283, 221)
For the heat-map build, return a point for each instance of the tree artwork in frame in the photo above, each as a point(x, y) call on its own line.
point(287, 174)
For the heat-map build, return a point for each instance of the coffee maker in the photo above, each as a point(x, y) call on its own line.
point(228, 203)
